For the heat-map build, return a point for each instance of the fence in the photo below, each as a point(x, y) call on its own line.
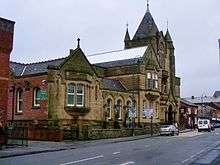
point(16, 136)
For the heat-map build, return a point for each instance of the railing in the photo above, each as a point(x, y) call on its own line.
point(16, 136)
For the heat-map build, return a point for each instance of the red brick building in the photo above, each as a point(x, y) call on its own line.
point(188, 114)
point(6, 45)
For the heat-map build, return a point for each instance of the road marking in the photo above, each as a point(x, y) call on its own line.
point(193, 156)
point(83, 160)
point(127, 163)
point(115, 153)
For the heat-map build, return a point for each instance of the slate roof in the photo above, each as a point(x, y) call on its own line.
point(168, 37)
point(216, 94)
point(112, 84)
point(146, 28)
point(119, 63)
point(118, 55)
point(199, 100)
point(33, 68)
point(106, 60)
point(188, 103)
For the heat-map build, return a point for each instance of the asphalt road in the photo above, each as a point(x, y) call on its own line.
point(188, 148)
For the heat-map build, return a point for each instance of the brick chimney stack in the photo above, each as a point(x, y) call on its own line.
point(6, 46)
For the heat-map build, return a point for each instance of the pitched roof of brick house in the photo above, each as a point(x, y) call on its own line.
point(105, 59)
point(200, 100)
point(216, 94)
point(188, 103)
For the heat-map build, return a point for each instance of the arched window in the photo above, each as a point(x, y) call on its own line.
point(80, 96)
point(109, 108)
point(118, 109)
point(19, 100)
point(37, 93)
point(128, 108)
point(70, 94)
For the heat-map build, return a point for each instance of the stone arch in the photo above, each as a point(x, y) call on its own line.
point(119, 106)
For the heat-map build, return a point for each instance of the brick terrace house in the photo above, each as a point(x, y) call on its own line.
point(210, 106)
point(101, 88)
point(6, 45)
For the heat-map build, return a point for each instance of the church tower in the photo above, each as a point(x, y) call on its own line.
point(146, 32)
point(6, 45)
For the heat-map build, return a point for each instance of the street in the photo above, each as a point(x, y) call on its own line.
point(187, 148)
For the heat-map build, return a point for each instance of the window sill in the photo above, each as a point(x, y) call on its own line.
point(35, 107)
point(19, 113)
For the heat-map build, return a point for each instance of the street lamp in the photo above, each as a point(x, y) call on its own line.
point(202, 102)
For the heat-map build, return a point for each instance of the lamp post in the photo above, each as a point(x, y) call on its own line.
point(202, 102)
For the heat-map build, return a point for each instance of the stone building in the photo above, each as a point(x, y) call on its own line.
point(111, 89)
point(6, 45)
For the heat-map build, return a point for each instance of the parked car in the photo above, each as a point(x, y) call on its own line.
point(216, 125)
point(169, 129)
point(204, 125)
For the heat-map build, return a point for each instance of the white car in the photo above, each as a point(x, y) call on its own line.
point(169, 130)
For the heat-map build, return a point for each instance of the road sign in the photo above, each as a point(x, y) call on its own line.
point(43, 95)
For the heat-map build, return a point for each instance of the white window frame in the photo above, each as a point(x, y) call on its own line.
point(20, 100)
point(80, 94)
point(35, 97)
point(71, 94)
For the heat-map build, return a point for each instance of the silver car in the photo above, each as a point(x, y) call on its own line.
point(169, 129)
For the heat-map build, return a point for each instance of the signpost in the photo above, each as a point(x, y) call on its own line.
point(148, 112)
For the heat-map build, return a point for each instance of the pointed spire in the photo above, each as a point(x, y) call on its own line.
point(148, 8)
point(127, 35)
point(78, 43)
point(147, 27)
point(168, 37)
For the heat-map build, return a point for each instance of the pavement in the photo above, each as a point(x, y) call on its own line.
point(36, 147)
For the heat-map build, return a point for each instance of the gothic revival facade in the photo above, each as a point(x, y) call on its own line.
point(111, 87)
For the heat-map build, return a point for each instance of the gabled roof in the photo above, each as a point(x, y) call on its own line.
point(125, 54)
point(111, 84)
point(119, 63)
point(105, 59)
point(188, 103)
point(33, 68)
point(201, 100)
point(147, 27)
point(216, 94)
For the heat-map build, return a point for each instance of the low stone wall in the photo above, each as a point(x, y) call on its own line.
point(94, 134)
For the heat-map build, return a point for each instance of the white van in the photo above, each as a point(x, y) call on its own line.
point(204, 124)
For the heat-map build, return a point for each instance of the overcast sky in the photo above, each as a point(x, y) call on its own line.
point(47, 29)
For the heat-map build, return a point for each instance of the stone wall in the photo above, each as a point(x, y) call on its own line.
point(94, 134)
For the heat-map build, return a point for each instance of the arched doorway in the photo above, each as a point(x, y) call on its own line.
point(170, 114)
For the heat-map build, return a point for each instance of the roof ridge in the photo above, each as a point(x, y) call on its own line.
point(120, 50)
point(39, 61)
